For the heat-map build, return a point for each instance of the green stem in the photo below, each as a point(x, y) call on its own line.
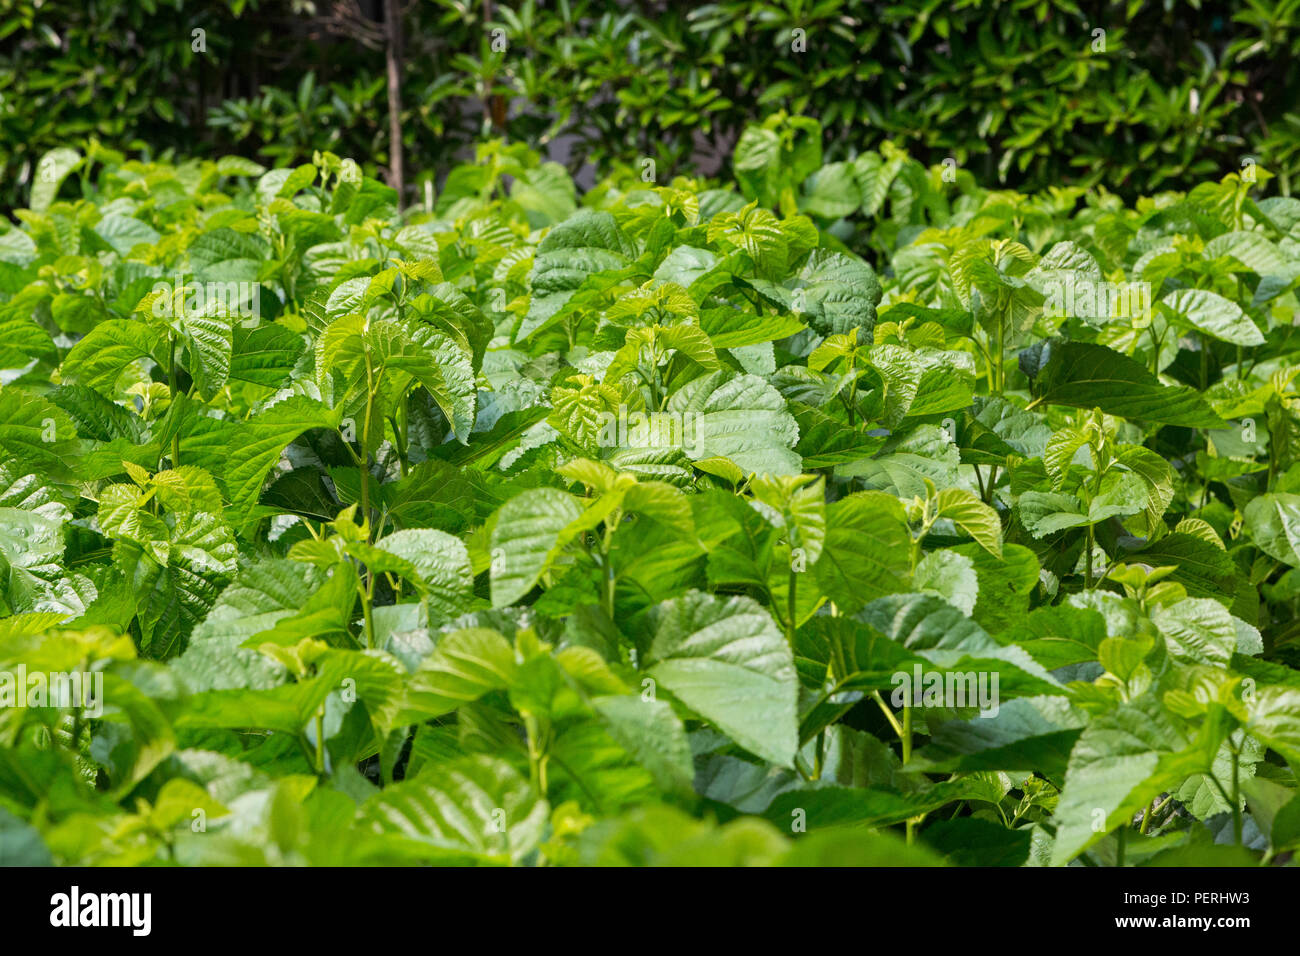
point(611, 585)
point(320, 740)
point(1236, 796)
point(889, 714)
point(1122, 836)
point(906, 736)
point(173, 386)
point(790, 607)
point(1002, 371)
point(365, 448)
point(1087, 574)
point(604, 544)
point(536, 758)
point(367, 600)
point(403, 432)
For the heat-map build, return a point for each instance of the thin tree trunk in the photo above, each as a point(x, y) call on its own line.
point(494, 105)
point(393, 55)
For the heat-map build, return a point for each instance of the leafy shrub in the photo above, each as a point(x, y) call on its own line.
point(651, 526)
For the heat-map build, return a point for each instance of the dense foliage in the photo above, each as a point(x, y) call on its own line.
point(1138, 95)
point(540, 528)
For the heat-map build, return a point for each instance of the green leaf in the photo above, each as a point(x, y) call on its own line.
point(477, 809)
point(728, 662)
point(526, 538)
point(866, 551)
point(257, 443)
point(1273, 522)
point(1197, 631)
point(37, 435)
point(972, 842)
point(1122, 760)
point(838, 846)
point(1214, 315)
point(445, 576)
point(949, 575)
point(1275, 721)
point(740, 418)
point(464, 666)
point(21, 844)
point(1088, 376)
point(51, 170)
point(653, 734)
point(99, 358)
point(1029, 734)
point(973, 516)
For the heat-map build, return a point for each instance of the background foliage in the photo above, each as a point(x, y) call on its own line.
point(1017, 92)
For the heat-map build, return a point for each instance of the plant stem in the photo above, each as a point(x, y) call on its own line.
point(172, 386)
point(1087, 573)
point(367, 600)
point(889, 714)
point(1236, 796)
point(611, 585)
point(365, 448)
point(536, 758)
point(906, 735)
point(320, 740)
point(604, 545)
point(1002, 371)
point(403, 431)
point(791, 612)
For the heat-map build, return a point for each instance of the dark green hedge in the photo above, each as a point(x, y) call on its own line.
point(1022, 93)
